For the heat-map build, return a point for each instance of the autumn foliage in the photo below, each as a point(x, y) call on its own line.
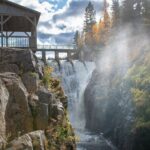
point(94, 33)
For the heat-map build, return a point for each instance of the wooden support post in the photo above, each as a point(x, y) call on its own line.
point(80, 55)
point(56, 55)
point(33, 38)
point(69, 55)
point(44, 56)
point(6, 39)
point(1, 23)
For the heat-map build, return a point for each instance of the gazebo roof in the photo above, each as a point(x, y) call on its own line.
point(20, 16)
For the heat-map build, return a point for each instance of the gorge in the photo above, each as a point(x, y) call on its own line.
point(87, 92)
point(108, 99)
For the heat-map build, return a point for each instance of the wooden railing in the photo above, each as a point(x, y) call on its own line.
point(57, 47)
point(15, 41)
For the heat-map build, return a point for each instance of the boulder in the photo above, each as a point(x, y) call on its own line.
point(31, 141)
point(18, 117)
point(4, 97)
point(40, 112)
point(57, 111)
point(23, 58)
point(9, 68)
point(44, 95)
point(23, 142)
point(42, 116)
point(30, 81)
point(38, 140)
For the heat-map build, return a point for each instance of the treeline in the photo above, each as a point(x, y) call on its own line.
point(97, 34)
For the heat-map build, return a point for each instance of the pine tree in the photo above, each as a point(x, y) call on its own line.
point(115, 13)
point(107, 21)
point(89, 23)
point(139, 10)
point(146, 11)
point(106, 25)
point(128, 14)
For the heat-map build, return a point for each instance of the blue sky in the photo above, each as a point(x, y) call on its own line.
point(60, 18)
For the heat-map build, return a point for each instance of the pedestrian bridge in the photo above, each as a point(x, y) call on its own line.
point(57, 50)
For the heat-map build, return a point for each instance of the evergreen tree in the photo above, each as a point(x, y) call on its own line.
point(107, 21)
point(139, 10)
point(106, 25)
point(128, 13)
point(115, 13)
point(146, 11)
point(89, 23)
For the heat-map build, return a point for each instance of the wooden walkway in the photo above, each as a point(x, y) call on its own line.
point(57, 49)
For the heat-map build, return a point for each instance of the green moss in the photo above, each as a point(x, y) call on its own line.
point(47, 76)
point(33, 74)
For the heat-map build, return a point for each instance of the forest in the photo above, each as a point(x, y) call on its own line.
point(119, 44)
point(97, 34)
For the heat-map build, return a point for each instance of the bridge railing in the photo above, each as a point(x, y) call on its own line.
point(15, 41)
point(69, 47)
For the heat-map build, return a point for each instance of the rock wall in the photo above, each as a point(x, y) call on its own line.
point(109, 109)
point(117, 99)
point(31, 116)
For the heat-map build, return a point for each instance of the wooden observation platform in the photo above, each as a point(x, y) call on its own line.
point(18, 29)
point(18, 26)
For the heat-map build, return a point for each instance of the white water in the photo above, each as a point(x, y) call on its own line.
point(75, 78)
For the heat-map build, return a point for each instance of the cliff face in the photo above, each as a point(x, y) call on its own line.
point(109, 109)
point(31, 115)
point(117, 99)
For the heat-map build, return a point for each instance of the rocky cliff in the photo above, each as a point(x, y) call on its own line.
point(32, 113)
point(117, 97)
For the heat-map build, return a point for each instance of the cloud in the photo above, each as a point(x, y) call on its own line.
point(57, 24)
point(76, 9)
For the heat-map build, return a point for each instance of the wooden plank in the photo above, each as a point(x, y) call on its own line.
point(7, 9)
point(6, 19)
point(30, 20)
point(27, 34)
point(10, 34)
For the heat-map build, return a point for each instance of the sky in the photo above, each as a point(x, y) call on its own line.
point(60, 18)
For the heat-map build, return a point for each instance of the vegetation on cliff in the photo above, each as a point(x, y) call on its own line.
point(33, 105)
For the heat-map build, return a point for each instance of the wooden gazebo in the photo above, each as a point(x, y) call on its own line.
point(18, 26)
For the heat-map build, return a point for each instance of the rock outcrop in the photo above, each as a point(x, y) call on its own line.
point(29, 111)
point(109, 109)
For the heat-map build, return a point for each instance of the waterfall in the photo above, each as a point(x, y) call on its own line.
point(74, 78)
